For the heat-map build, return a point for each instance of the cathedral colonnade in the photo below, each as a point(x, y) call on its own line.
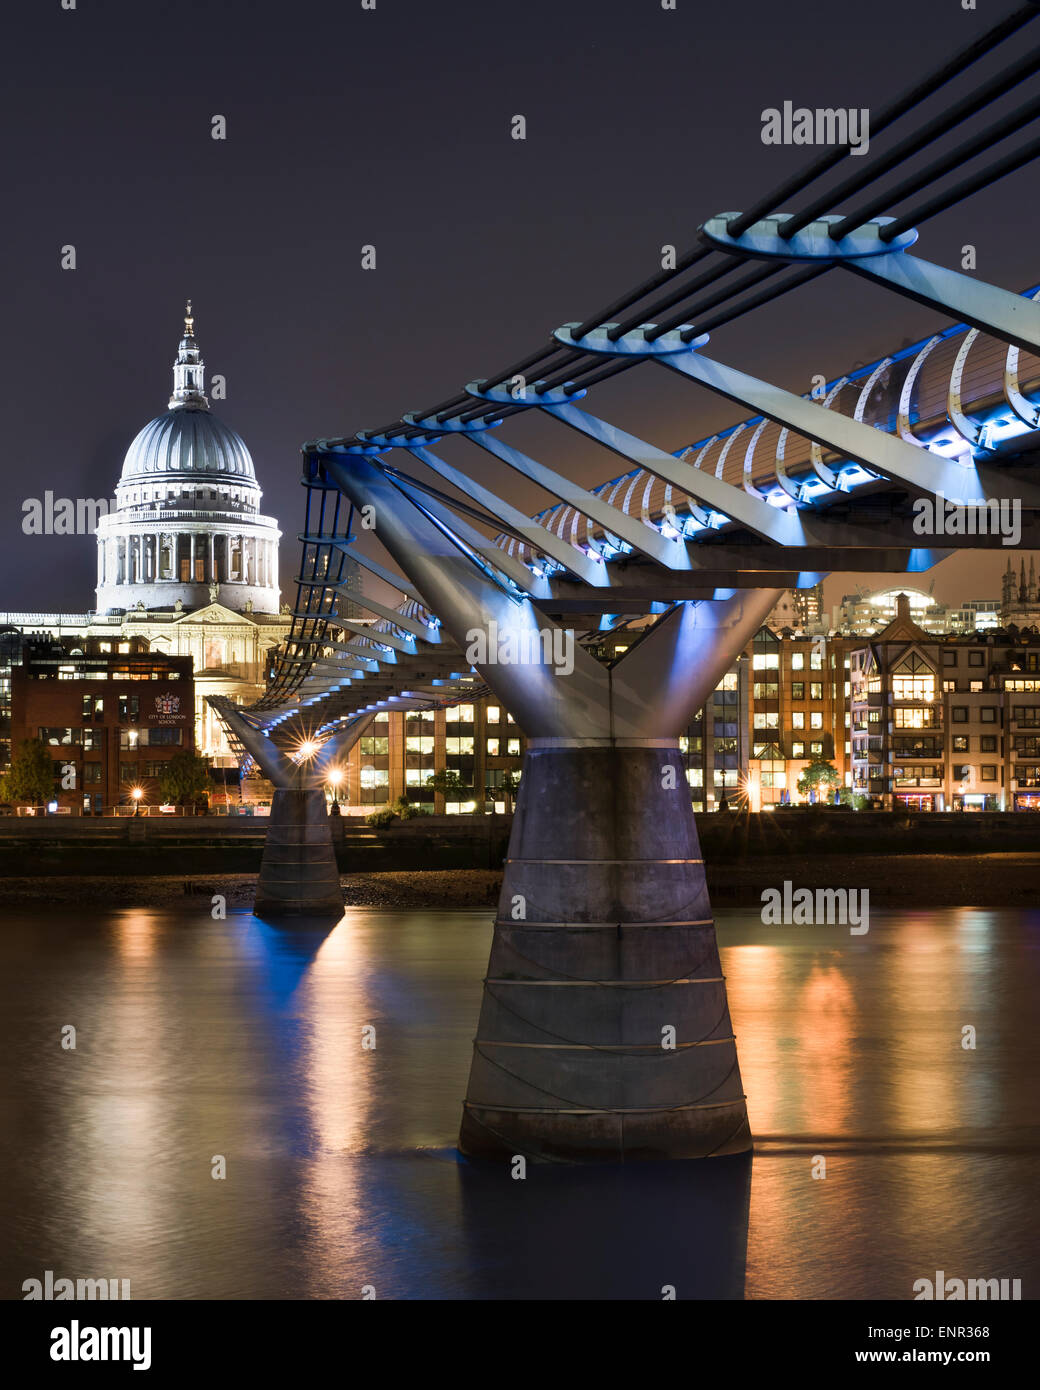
point(212, 557)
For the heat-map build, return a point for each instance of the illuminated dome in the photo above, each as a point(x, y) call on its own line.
point(187, 440)
point(187, 527)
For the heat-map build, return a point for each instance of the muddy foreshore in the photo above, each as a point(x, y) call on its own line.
point(913, 881)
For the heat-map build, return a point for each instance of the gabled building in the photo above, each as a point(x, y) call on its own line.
point(946, 723)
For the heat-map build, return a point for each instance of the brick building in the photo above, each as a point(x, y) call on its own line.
point(109, 718)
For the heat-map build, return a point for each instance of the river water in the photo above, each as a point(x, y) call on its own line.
point(197, 1038)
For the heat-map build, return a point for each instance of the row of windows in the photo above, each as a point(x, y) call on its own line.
point(94, 707)
point(974, 658)
point(67, 672)
point(92, 774)
point(770, 661)
point(169, 494)
point(987, 743)
point(771, 720)
point(770, 690)
point(91, 740)
point(422, 745)
point(455, 714)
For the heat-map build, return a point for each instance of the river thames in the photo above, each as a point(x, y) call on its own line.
point(198, 1038)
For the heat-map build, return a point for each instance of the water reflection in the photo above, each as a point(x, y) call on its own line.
point(608, 1232)
point(237, 1038)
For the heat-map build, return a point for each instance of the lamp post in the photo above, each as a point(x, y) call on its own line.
point(137, 793)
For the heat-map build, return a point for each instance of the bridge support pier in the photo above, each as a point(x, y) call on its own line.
point(299, 876)
point(604, 1033)
point(298, 872)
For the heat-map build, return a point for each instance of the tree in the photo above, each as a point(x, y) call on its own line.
point(31, 779)
point(447, 780)
point(451, 783)
point(184, 778)
point(820, 775)
point(511, 786)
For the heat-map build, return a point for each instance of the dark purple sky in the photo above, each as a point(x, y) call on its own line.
point(392, 127)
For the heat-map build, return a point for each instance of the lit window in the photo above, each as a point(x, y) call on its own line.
point(492, 747)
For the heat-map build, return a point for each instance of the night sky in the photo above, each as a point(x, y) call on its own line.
point(392, 127)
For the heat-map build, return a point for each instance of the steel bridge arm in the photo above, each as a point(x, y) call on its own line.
point(1005, 315)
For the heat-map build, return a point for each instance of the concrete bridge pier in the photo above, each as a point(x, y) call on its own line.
point(299, 876)
point(298, 871)
point(605, 1031)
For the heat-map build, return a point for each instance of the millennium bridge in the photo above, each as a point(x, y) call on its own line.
point(604, 1032)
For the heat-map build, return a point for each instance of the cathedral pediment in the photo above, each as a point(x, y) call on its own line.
point(216, 613)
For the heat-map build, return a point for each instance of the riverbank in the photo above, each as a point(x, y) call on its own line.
point(920, 881)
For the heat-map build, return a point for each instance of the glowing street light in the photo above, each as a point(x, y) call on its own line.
point(335, 780)
point(136, 793)
point(308, 748)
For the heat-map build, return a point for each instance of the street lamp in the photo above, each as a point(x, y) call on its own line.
point(137, 793)
point(335, 778)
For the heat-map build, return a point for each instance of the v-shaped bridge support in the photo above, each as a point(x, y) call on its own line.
point(604, 1032)
point(299, 876)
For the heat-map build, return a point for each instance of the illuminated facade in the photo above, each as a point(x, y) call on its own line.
point(110, 721)
point(187, 564)
point(479, 742)
point(187, 527)
point(946, 724)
